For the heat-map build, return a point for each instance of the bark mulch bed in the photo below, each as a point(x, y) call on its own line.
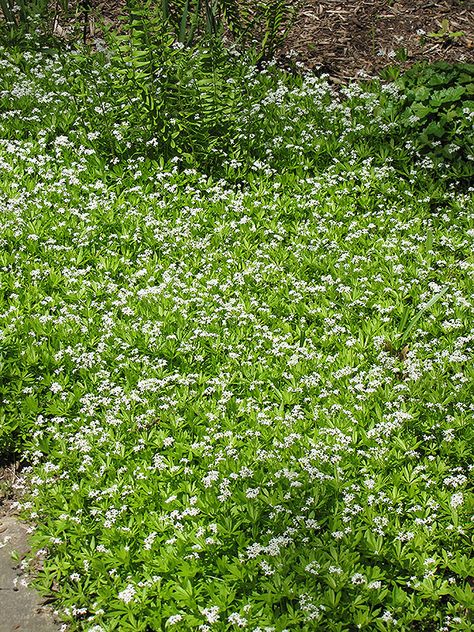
point(350, 37)
point(347, 38)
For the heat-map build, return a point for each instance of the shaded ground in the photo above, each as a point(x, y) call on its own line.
point(20, 606)
point(8, 475)
point(347, 37)
point(344, 38)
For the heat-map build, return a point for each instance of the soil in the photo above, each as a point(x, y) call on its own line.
point(9, 471)
point(349, 38)
point(353, 37)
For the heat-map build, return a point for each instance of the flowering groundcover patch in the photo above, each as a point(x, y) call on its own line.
point(244, 406)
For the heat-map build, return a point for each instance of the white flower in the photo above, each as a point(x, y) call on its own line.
point(127, 594)
point(313, 568)
point(211, 614)
point(175, 618)
point(388, 617)
point(456, 500)
point(213, 475)
point(252, 492)
point(149, 540)
point(266, 568)
point(335, 569)
point(375, 585)
point(254, 550)
point(237, 619)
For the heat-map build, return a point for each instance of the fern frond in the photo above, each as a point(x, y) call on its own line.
point(230, 11)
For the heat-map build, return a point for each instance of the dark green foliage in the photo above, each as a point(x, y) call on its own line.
point(22, 14)
point(262, 24)
point(273, 20)
point(167, 101)
point(437, 112)
point(18, 12)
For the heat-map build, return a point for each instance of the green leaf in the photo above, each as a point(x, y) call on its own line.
point(433, 300)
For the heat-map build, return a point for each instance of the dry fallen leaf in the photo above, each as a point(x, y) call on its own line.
point(403, 353)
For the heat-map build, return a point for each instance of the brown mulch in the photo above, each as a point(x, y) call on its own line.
point(346, 38)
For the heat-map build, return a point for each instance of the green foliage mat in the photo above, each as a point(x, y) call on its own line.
point(241, 377)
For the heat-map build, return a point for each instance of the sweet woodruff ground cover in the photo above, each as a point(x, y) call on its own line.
point(229, 421)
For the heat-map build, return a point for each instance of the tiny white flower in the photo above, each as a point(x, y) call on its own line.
point(237, 620)
point(211, 614)
point(375, 585)
point(127, 594)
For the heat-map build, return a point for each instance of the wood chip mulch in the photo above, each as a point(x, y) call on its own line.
point(347, 38)
point(350, 37)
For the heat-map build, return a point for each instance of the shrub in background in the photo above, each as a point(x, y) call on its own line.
point(437, 113)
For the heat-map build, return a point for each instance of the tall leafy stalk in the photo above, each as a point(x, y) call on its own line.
point(265, 23)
